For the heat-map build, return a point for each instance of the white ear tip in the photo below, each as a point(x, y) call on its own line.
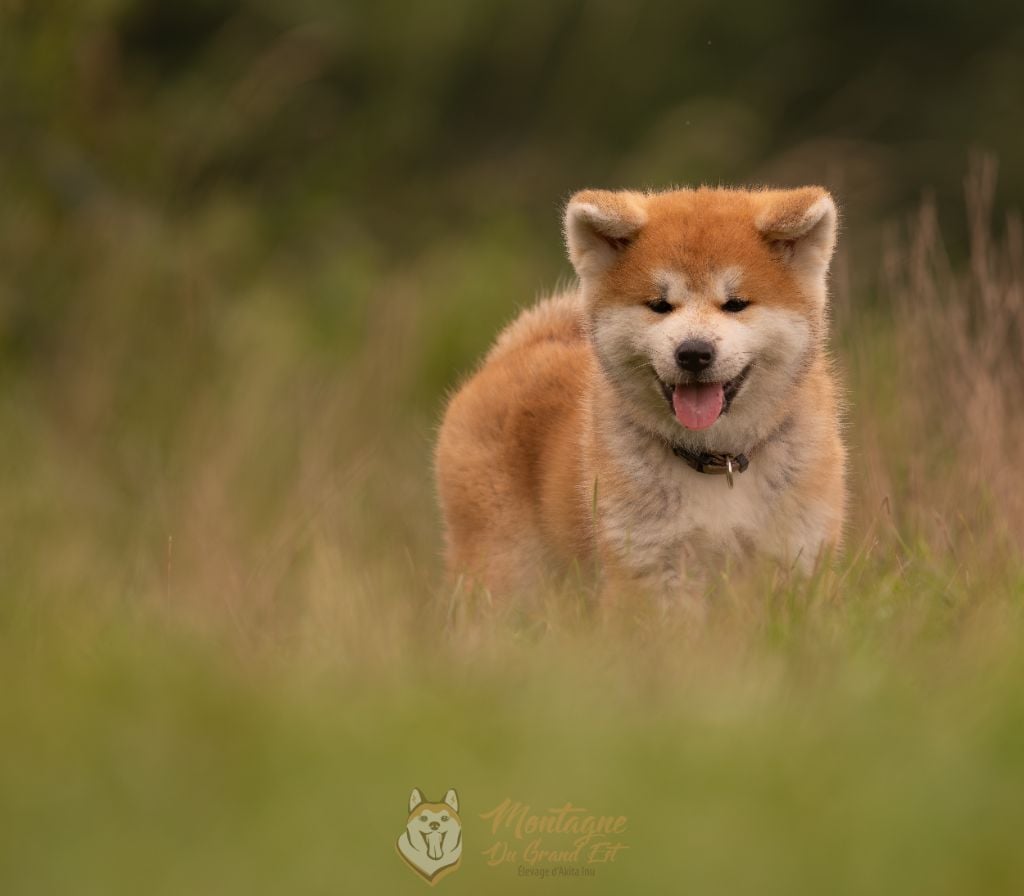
point(818, 210)
point(619, 221)
point(784, 218)
point(579, 213)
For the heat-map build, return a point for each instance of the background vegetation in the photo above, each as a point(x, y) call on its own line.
point(246, 247)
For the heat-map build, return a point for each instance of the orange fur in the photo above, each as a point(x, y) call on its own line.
point(558, 450)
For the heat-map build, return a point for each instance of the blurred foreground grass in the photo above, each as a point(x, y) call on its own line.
point(837, 737)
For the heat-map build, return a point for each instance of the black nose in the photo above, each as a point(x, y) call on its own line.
point(434, 825)
point(695, 354)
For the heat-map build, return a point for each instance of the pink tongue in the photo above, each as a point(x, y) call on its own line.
point(698, 405)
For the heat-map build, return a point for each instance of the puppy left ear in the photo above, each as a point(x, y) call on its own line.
point(451, 798)
point(415, 799)
point(800, 225)
point(599, 226)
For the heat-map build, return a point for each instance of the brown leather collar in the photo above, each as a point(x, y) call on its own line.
point(729, 464)
point(714, 463)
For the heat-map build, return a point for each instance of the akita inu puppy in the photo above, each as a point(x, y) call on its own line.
point(432, 840)
point(678, 405)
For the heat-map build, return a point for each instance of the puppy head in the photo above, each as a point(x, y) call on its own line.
point(433, 828)
point(704, 306)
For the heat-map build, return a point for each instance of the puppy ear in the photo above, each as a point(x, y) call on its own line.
point(415, 799)
point(452, 799)
point(800, 225)
point(599, 226)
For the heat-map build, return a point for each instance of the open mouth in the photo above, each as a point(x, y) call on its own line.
point(434, 841)
point(697, 405)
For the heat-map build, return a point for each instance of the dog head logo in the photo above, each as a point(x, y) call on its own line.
point(431, 843)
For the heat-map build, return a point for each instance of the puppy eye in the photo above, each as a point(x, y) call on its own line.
point(444, 818)
point(660, 306)
point(423, 818)
point(735, 305)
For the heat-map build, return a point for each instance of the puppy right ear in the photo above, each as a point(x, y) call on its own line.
point(452, 799)
point(415, 799)
point(800, 226)
point(599, 226)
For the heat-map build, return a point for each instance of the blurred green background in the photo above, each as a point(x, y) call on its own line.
point(245, 250)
